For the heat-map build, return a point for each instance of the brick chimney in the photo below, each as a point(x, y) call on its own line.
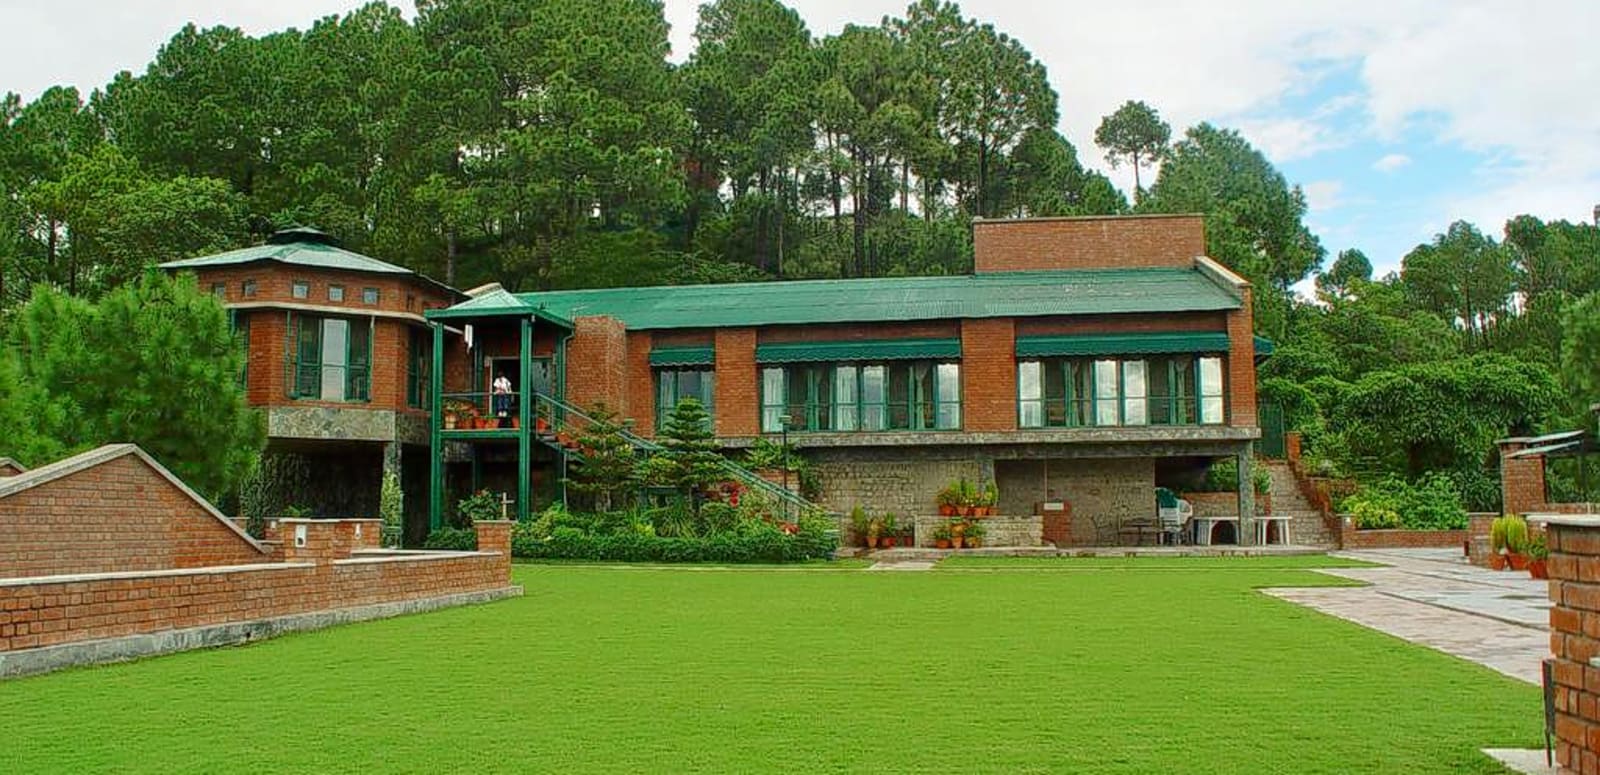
point(1097, 242)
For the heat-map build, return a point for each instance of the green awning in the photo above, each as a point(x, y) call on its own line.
point(683, 356)
point(1121, 344)
point(1264, 347)
point(864, 350)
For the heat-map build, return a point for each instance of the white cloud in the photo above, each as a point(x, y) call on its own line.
point(1323, 195)
point(1391, 162)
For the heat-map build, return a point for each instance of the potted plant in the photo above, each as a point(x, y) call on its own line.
point(991, 498)
point(1497, 543)
point(974, 535)
point(1517, 543)
point(968, 500)
point(456, 410)
point(874, 532)
point(958, 533)
point(941, 536)
point(859, 524)
point(887, 535)
point(1538, 557)
point(948, 499)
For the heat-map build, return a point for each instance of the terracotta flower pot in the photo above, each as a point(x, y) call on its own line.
point(1519, 562)
point(941, 543)
point(888, 542)
point(449, 422)
point(956, 541)
point(973, 543)
point(1497, 562)
point(1537, 569)
point(516, 423)
point(946, 510)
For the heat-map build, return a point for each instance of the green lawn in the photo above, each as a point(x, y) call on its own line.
point(1090, 666)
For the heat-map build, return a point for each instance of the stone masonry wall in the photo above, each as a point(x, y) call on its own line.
point(901, 480)
point(1110, 242)
point(120, 515)
point(1111, 488)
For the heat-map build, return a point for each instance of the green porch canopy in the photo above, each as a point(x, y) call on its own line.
point(683, 356)
point(861, 350)
point(1121, 344)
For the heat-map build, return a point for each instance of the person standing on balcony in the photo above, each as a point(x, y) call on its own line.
point(502, 397)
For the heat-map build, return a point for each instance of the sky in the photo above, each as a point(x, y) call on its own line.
point(1396, 117)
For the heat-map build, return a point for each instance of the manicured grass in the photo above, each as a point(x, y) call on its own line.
point(1079, 666)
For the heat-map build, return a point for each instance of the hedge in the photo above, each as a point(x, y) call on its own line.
point(766, 546)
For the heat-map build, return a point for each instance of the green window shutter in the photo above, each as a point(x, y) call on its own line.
point(308, 357)
point(358, 362)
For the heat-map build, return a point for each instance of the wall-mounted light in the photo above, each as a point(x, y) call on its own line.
point(299, 536)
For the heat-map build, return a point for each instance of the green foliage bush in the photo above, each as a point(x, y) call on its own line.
point(1223, 476)
point(753, 542)
point(1433, 503)
point(459, 539)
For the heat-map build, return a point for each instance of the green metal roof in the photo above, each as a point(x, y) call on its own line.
point(683, 356)
point(994, 294)
point(858, 350)
point(301, 247)
point(1121, 344)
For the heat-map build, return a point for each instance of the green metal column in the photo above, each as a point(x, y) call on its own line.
point(436, 428)
point(524, 403)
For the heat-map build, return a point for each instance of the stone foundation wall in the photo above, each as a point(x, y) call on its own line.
point(1095, 488)
point(900, 480)
point(999, 531)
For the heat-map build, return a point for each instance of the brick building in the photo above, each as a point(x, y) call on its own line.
point(1085, 361)
point(338, 360)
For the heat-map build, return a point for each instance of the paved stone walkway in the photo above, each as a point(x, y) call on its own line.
point(1434, 598)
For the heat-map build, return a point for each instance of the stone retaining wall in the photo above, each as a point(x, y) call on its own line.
point(1000, 530)
point(1351, 538)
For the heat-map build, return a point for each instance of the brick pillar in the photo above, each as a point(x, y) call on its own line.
point(597, 361)
point(641, 384)
point(1241, 389)
point(494, 535)
point(1291, 448)
point(1574, 622)
point(366, 533)
point(324, 540)
point(738, 388)
point(1521, 479)
point(989, 374)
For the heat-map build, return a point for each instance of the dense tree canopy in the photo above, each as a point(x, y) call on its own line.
point(554, 143)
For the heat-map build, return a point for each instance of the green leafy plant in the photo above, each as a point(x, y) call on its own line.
point(991, 494)
point(1538, 549)
point(968, 493)
point(455, 539)
point(296, 512)
point(608, 469)
point(477, 507)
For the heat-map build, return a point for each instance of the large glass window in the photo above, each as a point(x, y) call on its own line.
point(908, 395)
point(1153, 390)
point(1211, 391)
point(333, 358)
point(674, 385)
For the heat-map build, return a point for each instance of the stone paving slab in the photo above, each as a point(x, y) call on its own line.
point(1528, 761)
point(912, 565)
point(1494, 619)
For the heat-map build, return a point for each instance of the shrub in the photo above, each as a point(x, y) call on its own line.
point(458, 539)
point(479, 506)
point(1431, 504)
point(754, 542)
point(1223, 476)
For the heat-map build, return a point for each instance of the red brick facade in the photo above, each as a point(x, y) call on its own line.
point(122, 514)
point(1522, 484)
point(989, 374)
point(1241, 365)
point(640, 384)
point(320, 576)
point(1574, 568)
point(9, 467)
point(738, 386)
point(1111, 242)
point(1351, 538)
point(597, 364)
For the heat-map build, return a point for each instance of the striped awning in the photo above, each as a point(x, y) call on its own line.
point(683, 356)
point(1122, 344)
point(859, 350)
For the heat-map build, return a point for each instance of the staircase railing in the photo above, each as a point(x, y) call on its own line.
point(560, 415)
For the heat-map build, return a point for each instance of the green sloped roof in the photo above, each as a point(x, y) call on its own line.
point(302, 247)
point(1122, 344)
point(997, 294)
point(858, 350)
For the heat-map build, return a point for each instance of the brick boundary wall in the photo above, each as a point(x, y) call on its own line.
point(328, 576)
point(1575, 640)
point(1351, 538)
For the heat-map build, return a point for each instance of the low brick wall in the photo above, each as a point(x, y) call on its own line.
point(1351, 538)
point(55, 621)
point(1478, 538)
point(1575, 640)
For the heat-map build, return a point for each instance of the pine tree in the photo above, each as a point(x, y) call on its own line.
point(607, 468)
point(690, 460)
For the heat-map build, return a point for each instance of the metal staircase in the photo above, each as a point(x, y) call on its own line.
point(566, 419)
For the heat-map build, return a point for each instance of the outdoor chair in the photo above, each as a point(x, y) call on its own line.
point(1107, 530)
point(1174, 514)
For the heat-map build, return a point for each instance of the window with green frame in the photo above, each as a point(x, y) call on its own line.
point(850, 397)
point(239, 324)
point(674, 385)
point(332, 358)
point(419, 368)
point(1158, 390)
